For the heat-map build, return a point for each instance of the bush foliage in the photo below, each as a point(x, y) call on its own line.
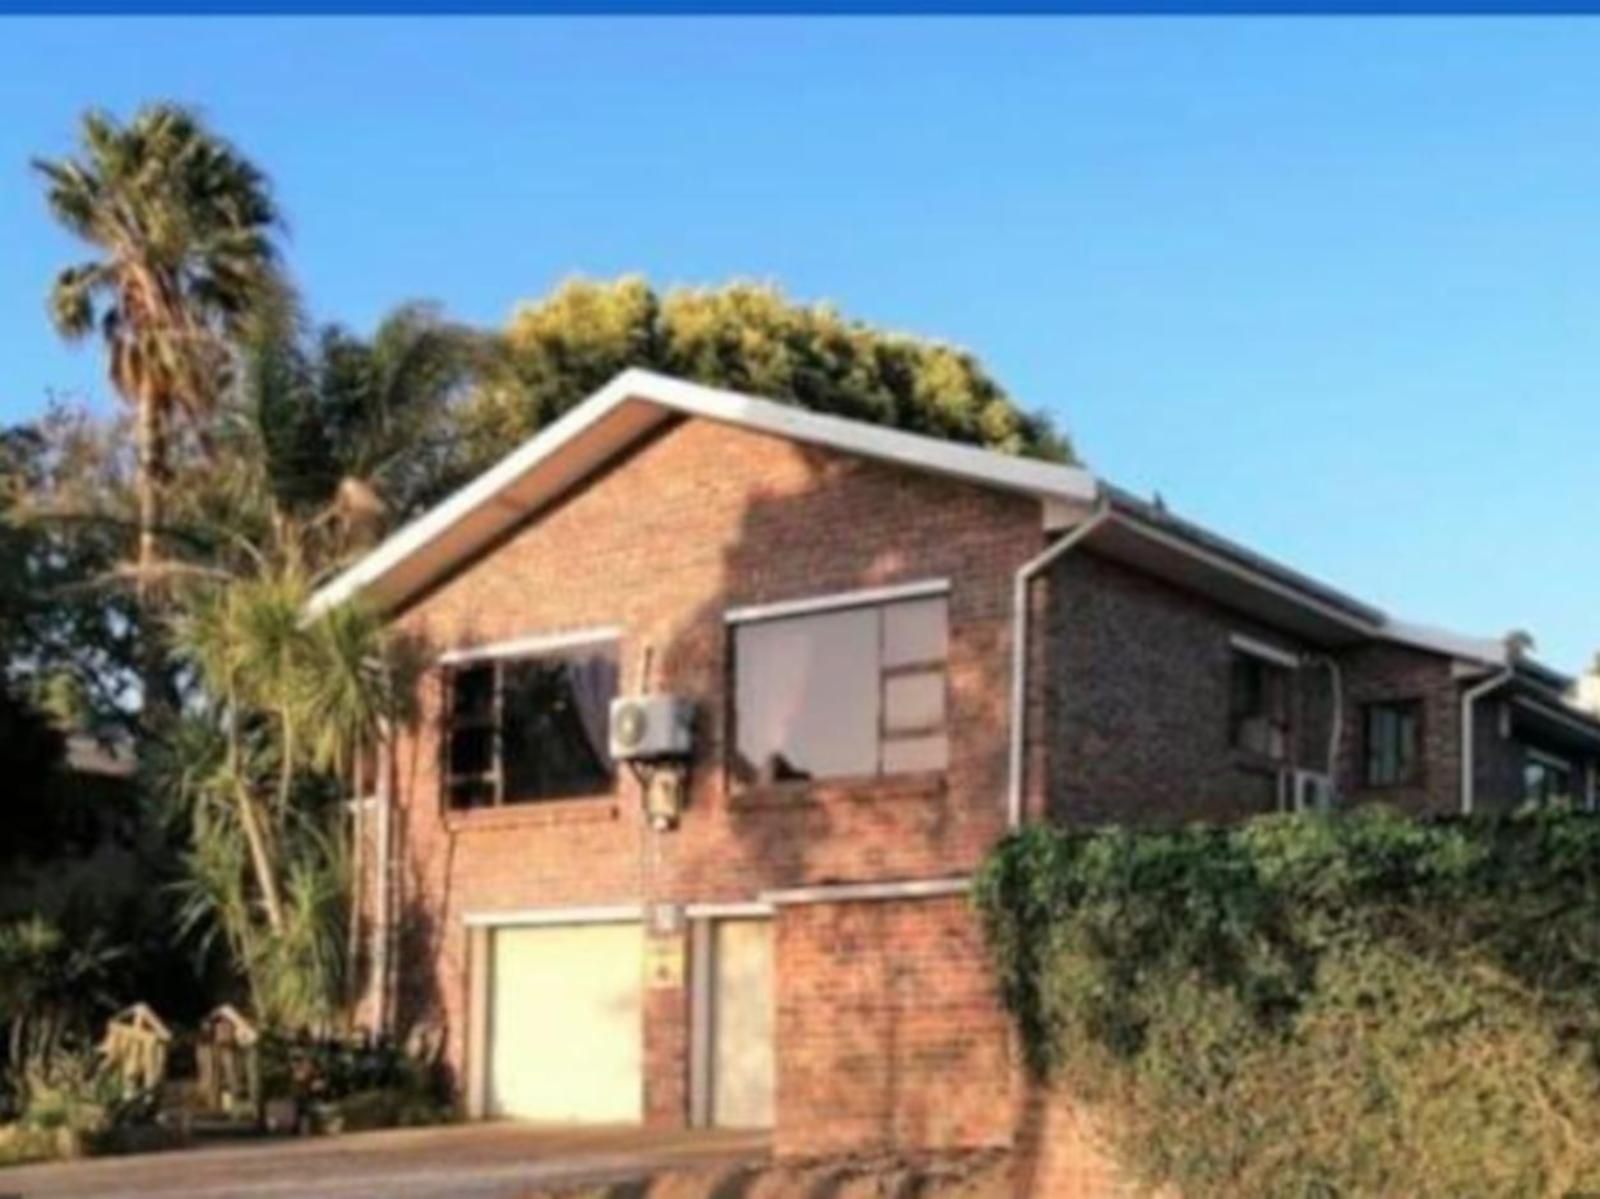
point(1359, 1005)
point(748, 337)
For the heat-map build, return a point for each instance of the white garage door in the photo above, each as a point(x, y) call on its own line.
point(742, 1013)
point(565, 1038)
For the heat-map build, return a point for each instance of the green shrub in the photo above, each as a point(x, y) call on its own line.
point(20, 1145)
point(1317, 1006)
point(390, 1107)
point(80, 1092)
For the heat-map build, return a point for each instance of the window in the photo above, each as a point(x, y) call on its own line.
point(1545, 779)
point(1393, 741)
point(529, 728)
point(844, 693)
point(1259, 705)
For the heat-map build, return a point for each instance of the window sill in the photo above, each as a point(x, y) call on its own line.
point(583, 809)
point(814, 792)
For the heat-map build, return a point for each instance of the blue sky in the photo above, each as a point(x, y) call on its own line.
point(1332, 287)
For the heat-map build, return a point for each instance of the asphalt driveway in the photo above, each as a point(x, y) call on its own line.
point(471, 1161)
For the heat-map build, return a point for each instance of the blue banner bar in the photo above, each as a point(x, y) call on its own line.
point(791, 7)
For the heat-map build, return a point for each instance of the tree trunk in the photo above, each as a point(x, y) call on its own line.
point(158, 702)
point(358, 837)
point(266, 877)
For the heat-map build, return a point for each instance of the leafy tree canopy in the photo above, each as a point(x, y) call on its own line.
point(748, 337)
point(67, 639)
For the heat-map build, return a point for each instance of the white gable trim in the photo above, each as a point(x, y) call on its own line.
point(1008, 471)
point(1052, 484)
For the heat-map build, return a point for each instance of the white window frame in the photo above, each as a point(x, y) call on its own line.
point(615, 913)
point(866, 597)
point(1262, 651)
point(531, 646)
point(1257, 648)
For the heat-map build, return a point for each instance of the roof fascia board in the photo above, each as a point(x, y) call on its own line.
point(1239, 570)
point(1480, 650)
point(1442, 641)
point(1007, 471)
point(1573, 720)
point(1153, 516)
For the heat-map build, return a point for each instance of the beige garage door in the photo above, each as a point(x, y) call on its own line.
point(741, 1024)
point(565, 1039)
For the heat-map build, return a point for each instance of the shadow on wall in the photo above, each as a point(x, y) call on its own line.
point(814, 539)
point(417, 935)
point(845, 525)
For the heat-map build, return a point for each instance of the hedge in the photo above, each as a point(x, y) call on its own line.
point(1352, 1005)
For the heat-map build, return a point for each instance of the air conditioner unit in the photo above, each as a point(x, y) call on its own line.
point(1306, 791)
point(648, 728)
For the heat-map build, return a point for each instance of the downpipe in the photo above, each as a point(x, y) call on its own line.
point(1019, 654)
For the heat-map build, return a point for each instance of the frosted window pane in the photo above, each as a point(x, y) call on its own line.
point(915, 754)
point(913, 701)
point(806, 695)
point(915, 631)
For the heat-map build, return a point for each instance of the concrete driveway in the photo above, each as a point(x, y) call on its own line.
point(471, 1161)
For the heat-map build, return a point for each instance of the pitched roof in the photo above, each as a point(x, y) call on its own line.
point(622, 412)
point(638, 402)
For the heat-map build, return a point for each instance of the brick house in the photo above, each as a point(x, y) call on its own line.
point(894, 649)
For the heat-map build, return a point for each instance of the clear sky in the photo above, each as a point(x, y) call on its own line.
point(1332, 288)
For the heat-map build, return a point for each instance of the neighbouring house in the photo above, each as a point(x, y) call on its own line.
point(75, 836)
point(744, 904)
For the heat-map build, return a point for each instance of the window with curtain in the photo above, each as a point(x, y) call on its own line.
point(1393, 743)
point(525, 729)
point(851, 692)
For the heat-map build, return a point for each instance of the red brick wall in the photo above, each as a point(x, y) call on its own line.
point(1136, 702)
point(699, 519)
point(890, 1030)
point(893, 1037)
point(1378, 673)
point(666, 1042)
point(1130, 709)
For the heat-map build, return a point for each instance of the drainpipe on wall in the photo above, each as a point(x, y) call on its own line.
point(1335, 714)
point(1019, 653)
point(1469, 698)
point(1336, 724)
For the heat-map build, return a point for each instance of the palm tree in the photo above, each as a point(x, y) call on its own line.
point(288, 701)
point(182, 226)
point(358, 429)
point(50, 985)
